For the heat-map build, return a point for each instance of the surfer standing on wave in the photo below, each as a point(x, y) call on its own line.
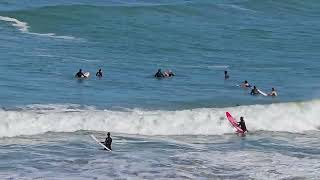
point(242, 125)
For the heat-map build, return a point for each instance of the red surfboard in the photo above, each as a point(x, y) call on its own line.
point(233, 122)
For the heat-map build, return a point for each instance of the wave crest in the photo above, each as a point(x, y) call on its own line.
point(24, 28)
point(287, 117)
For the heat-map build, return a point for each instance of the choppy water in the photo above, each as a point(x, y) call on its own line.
point(170, 128)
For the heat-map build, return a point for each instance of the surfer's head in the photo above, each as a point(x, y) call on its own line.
point(254, 87)
point(245, 81)
point(225, 72)
point(241, 118)
point(80, 70)
point(108, 133)
point(272, 89)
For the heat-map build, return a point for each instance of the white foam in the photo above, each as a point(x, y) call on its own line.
point(24, 28)
point(288, 117)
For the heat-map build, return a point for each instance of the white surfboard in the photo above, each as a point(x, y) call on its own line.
point(94, 138)
point(86, 74)
point(262, 93)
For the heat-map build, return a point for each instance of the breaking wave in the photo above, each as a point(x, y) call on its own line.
point(24, 28)
point(287, 117)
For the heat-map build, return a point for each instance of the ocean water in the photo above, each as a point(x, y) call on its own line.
point(173, 128)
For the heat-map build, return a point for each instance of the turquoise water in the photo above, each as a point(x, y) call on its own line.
point(269, 43)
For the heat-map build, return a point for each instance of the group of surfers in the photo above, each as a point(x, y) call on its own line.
point(159, 74)
point(80, 74)
point(254, 91)
point(167, 73)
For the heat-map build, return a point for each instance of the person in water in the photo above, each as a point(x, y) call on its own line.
point(169, 73)
point(242, 125)
point(99, 73)
point(108, 141)
point(226, 76)
point(79, 74)
point(254, 91)
point(245, 84)
point(273, 93)
point(159, 74)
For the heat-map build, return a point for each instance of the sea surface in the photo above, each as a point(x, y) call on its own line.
point(172, 128)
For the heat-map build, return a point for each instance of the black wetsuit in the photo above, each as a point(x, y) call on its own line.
point(99, 74)
point(108, 142)
point(171, 74)
point(242, 126)
point(159, 74)
point(79, 74)
point(254, 92)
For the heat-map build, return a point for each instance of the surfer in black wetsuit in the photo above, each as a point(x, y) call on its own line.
point(79, 74)
point(226, 76)
point(254, 91)
point(99, 73)
point(108, 141)
point(159, 74)
point(242, 125)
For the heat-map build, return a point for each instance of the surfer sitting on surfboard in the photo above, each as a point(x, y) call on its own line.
point(245, 84)
point(79, 74)
point(168, 73)
point(108, 141)
point(273, 93)
point(159, 74)
point(242, 125)
point(254, 91)
point(99, 73)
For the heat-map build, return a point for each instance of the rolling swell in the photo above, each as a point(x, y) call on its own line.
point(286, 117)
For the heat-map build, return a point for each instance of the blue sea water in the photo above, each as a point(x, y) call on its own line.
point(167, 128)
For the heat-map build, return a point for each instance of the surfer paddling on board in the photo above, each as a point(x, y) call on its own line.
point(99, 73)
point(242, 125)
point(108, 141)
point(273, 93)
point(245, 84)
point(254, 91)
point(79, 74)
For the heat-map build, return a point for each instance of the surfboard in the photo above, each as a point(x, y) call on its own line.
point(262, 93)
point(233, 122)
point(94, 138)
point(86, 74)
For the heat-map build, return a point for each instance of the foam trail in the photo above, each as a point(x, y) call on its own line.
point(24, 28)
point(287, 117)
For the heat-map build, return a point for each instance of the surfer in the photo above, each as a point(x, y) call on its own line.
point(108, 141)
point(159, 74)
point(254, 91)
point(79, 74)
point(99, 73)
point(242, 125)
point(245, 84)
point(226, 76)
point(169, 73)
point(273, 93)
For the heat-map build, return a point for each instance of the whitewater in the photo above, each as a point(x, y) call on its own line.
point(282, 117)
point(172, 128)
